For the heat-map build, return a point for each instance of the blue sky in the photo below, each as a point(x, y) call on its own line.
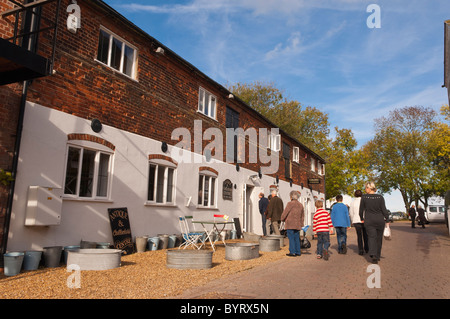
point(320, 52)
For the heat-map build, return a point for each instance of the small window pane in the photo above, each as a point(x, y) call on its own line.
point(103, 169)
point(87, 173)
point(213, 106)
point(116, 54)
point(169, 198)
point(73, 164)
point(103, 47)
point(207, 97)
point(213, 185)
point(128, 61)
point(201, 97)
point(200, 189)
point(160, 184)
point(151, 183)
point(206, 192)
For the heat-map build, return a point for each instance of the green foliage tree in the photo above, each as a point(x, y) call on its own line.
point(345, 168)
point(400, 154)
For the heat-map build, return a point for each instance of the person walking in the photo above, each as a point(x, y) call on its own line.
point(323, 228)
point(274, 211)
point(374, 215)
point(421, 214)
point(293, 217)
point(361, 233)
point(341, 221)
point(263, 203)
point(412, 214)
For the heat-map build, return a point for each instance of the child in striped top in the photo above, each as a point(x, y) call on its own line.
point(322, 227)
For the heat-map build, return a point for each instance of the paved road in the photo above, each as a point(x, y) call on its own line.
point(415, 263)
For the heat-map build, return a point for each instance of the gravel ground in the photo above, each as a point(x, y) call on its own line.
point(141, 275)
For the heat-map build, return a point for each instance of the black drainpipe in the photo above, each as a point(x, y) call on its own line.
point(14, 166)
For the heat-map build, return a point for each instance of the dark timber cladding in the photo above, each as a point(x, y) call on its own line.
point(447, 57)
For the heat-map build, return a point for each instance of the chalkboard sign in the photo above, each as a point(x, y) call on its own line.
point(227, 190)
point(121, 231)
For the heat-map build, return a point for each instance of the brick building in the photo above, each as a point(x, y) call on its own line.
point(120, 120)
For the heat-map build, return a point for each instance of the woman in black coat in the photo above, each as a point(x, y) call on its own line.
point(374, 215)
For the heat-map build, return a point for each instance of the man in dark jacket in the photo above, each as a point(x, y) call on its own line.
point(412, 214)
point(263, 203)
point(421, 214)
point(274, 211)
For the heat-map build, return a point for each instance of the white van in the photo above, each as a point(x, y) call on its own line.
point(436, 214)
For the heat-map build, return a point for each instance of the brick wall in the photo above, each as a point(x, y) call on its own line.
point(163, 97)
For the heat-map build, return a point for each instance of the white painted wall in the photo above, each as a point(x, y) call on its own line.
point(42, 163)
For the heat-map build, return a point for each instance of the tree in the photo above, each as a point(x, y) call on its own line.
point(439, 153)
point(306, 124)
point(399, 153)
point(346, 165)
point(345, 168)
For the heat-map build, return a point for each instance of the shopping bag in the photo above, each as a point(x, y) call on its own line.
point(304, 243)
point(387, 232)
point(282, 226)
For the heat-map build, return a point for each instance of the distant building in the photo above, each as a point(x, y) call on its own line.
point(99, 121)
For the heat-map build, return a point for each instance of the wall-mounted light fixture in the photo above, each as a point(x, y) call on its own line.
point(230, 96)
point(164, 147)
point(96, 125)
point(160, 50)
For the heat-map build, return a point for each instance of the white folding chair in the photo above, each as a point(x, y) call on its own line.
point(190, 238)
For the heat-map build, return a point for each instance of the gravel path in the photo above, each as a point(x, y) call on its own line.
point(141, 275)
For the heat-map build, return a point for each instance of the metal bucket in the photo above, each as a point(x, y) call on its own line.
point(31, 259)
point(280, 237)
point(153, 243)
point(13, 263)
point(67, 249)
point(52, 256)
point(141, 244)
point(269, 244)
point(189, 259)
point(241, 251)
point(163, 241)
point(88, 244)
point(95, 259)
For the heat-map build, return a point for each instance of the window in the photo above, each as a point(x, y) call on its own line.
point(274, 142)
point(87, 173)
point(287, 160)
point(207, 103)
point(320, 168)
point(207, 191)
point(296, 154)
point(116, 53)
point(232, 121)
point(161, 184)
point(313, 164)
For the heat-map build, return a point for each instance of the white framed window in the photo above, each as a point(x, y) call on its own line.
point(88, 173)
point(296, 154)
point(161, 184)
point(117, 53)
point(274, 142)
point(207, 103)
point(207, 191)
